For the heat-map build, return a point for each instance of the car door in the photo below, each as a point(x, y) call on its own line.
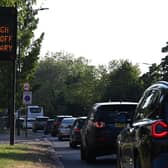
point(134, 139)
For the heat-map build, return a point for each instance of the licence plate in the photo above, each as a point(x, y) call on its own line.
point(119, 125)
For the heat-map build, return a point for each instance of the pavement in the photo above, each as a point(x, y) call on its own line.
point(33, 137)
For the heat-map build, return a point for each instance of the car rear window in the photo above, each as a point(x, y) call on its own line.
point(35, 110)
point(41, 119)
point(115, 113)
point(80, 123)
point(68, 121)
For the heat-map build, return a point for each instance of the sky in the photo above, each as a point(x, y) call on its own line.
point(104, 30)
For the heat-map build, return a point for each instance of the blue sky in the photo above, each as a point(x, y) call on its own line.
point(103, 30)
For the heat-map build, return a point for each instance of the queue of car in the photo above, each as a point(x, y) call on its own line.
point(136, 131)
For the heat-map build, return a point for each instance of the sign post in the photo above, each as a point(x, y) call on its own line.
point(27, 99)
point(8, 31)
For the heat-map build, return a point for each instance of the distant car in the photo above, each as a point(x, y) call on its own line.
point(48, 125)
point(101, 128)
point(75, 137)
point(144, 142)
point(29, 123)
point(39, 123)
point(65, 128)
point(57, 122)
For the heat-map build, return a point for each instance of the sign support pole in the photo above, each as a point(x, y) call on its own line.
point(12, 110)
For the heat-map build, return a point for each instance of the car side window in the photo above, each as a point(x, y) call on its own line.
point(91, 116)
point(147, 104)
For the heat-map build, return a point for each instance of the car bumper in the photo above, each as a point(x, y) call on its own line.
point(161, 161)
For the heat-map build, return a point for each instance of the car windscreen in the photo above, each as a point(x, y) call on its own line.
point(115, 113)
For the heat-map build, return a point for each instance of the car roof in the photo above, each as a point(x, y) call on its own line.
point(63, 116)
point(159, 84)
point(42, 117)
point(96, 105)
point(81, 117)
point(70, 118)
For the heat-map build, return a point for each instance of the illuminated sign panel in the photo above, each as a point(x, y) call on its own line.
point(8, 28)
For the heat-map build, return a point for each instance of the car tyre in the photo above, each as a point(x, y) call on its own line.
point(34, 130)
point(72, 144)
point(90, 155)
point(53, 134)
point(137, 162)
point(118, 163)
point(60, 138)
point(82, 153)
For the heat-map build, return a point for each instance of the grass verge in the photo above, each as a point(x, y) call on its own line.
point(29, 155)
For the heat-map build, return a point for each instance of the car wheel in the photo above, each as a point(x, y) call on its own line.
point(90, 155)
point(72, 144)
point(82, 152)
point(53, 134)
point(34, 130)
point(45, 132)
point(60, 138)
point(118, 163)
point(137, 163)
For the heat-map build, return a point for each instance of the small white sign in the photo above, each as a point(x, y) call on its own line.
point(27, 97)
point(26, 87)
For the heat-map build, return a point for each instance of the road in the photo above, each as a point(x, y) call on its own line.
point(71, 157)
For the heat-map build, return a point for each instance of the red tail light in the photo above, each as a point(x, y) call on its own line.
point(99, 124)
point(159, 129)
point(77, 129)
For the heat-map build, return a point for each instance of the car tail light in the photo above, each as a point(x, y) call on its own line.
point(159, 129)
point(77, 129)
point(99, 124)
point(56, 123)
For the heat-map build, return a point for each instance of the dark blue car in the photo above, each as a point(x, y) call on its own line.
point(144, 142)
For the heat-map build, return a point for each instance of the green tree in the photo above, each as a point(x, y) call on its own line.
point(29, 48)
point(66, 85)
point(153, 75)
point(164, 64)
point(123, 81)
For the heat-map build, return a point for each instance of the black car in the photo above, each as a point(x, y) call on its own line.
point(75, 137)
point(48, 125)
point(101, 128)
point(144, 142)
point(39, 123)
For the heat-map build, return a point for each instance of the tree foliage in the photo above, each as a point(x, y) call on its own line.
point(28, 49)
point(123, 81)
point(66, 85)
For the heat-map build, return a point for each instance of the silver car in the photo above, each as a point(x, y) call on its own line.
point(65, 128)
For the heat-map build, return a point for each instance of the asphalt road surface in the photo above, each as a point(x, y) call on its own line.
point(70, 158)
